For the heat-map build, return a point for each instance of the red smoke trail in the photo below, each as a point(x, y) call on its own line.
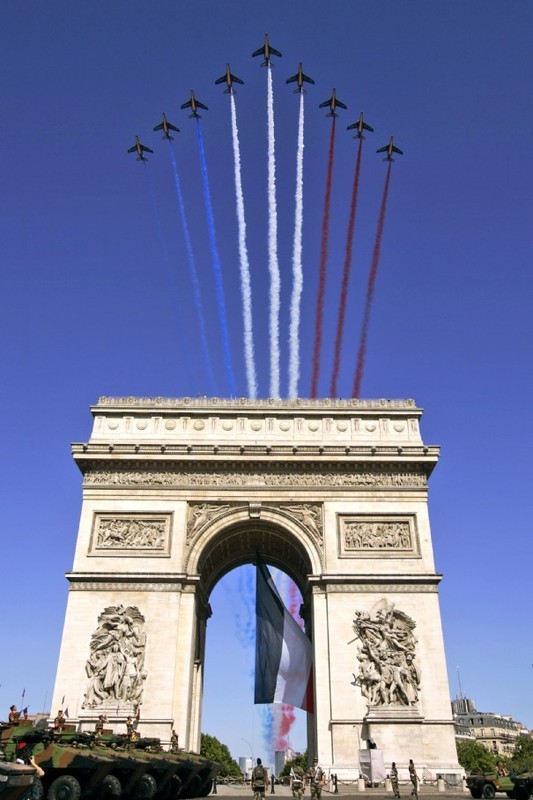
point(287, 720)
point(345, 276)
point(323, 263)
point(370, 287)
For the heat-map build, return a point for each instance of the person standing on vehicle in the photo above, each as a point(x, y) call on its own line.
point(259, 780)
point(414, 779)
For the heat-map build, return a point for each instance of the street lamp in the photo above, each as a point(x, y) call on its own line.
point(249, 745)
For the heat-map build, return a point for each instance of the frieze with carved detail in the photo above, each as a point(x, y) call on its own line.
point(387, 535)
point(256, 479)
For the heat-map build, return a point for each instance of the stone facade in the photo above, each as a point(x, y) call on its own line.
point(178, 492)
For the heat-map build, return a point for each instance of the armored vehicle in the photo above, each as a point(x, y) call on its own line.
point(523, 785)
point(487, 785)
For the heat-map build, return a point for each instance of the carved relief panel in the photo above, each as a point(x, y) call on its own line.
point(388, 674)
point(131, 535)
point(115, 667)
point(376, 536)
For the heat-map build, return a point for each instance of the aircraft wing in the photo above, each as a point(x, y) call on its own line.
point(259, 52)
point(292, 80)
point(383, 149)
point(220, 80)
point(201, 105)
point(275, 52)
point(132, 149)
point(325, 104)
point(237, 80)
point(306, 78)
point(159, 127)
point(367, 127)
point(397, 150)
point(188, 104)
point(147, 149)
point(341, 105)
point(172, 127)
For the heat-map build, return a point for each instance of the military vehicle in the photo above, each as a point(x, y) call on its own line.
point(487, 785)
point(82, 765)
point(523, 785)
point(16, 780)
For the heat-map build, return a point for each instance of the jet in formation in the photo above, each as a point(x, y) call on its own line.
point(166, 127)
point(359, 126)
point(140, 149)
point(194, 105)
point(266, 51)
point(229, 80)
point(332, 104)
point(390, 148)
point(299, 79)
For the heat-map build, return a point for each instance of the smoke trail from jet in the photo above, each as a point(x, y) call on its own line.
point(273, 264)
point(346, 276)
point(323, 264)
point(193, 273)
point(216, 264)
point(246, 289)
point(267, 714)
point(297, 270)
point(370, 287)
point(171, 275)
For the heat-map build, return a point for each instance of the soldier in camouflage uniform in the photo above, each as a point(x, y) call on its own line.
point(394, 780)
point(259, 779)
point(414, 779)
point(297, 782)
point(99, 727)
point(316, 777)
point(174, 739)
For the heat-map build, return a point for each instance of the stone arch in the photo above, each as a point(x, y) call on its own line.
point(233, 537)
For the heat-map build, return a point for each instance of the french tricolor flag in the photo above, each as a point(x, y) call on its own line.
point(283, 653)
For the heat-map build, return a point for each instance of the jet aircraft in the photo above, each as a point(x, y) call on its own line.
point(267, 51)
point(299, 78)
point(359, 126)
point(229, 80)
point(139, 149)
point(194, 105)
point(332, 104)
point(390, 148)
point(166, 127)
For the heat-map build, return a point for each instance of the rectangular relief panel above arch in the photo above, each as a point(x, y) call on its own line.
point(131, 535)
point(377, 536)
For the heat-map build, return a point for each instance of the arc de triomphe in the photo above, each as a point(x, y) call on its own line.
point(178, 492)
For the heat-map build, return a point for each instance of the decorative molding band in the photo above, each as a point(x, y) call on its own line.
point(221, 402)
point(253, 476)
point(121, 535)
point(378, 536)
point(110, 586)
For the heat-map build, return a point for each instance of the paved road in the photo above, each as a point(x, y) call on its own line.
point(346, 791)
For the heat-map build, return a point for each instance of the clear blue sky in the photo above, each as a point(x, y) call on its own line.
point(91, 305)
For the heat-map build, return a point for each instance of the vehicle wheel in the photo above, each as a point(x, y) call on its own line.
point(145, 788)
point(174, 788)
point(511, 795)
point(66, 787)
point(111, 787)
point(193, 787)
point(489, 791)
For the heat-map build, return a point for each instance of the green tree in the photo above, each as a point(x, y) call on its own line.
point(522, 758)
point(473, 757)
point(297, 761)
point(212, 748)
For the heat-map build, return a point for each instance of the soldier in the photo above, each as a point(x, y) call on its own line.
point(297, 782)
point(316, 777)
point(13, 715)
point(59, 722)
point(99, 727)
point(174, 739)
point(259, 779)
point(130, 728)
point(394, 780)
point(414, 779)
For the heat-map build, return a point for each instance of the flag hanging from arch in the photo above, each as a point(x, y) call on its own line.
point(283, 653)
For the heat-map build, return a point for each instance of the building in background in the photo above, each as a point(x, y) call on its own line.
point(246, 766)
point(498, 733)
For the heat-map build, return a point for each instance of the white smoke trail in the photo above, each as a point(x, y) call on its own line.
point(297, 271)
point(246, 289)
point(273, 264)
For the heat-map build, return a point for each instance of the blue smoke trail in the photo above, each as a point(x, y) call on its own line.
point(164, 249)
point(245, 616)
point(193, 273)
point(268, 732)
point(216, 264)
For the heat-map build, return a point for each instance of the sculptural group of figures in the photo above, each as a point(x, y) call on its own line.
point(375, 536)
point(388, 673)
point(115, 667)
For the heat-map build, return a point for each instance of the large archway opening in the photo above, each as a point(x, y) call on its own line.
point(227, 573)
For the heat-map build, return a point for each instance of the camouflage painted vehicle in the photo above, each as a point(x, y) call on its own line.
point(80, 765)
point(523, 785)
point(487, 785)
point(16, 780)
